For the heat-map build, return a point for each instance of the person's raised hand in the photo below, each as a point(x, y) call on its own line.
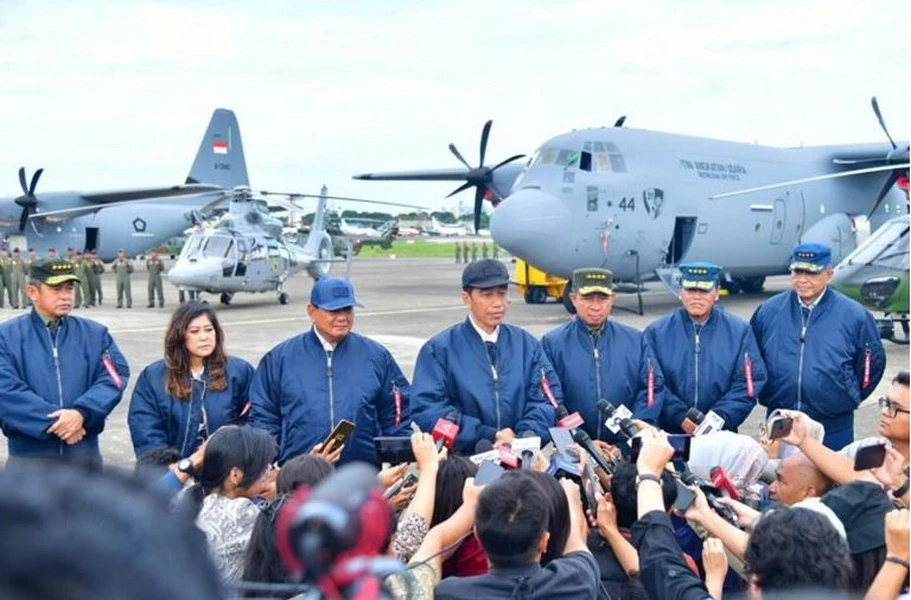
point(898, 532)
point(403, 498)
point(654, 453)
point(746, 516)
point(331, 453)
point(471, 491)
point(799, 429)
point(714, 560)
point(425, 451)
point(607, 516)
point(387, 477)
point(892, 472)
point(699, 509)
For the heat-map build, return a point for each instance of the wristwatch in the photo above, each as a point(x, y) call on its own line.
point(185, 465)
point(901, 490)
point(647, 477)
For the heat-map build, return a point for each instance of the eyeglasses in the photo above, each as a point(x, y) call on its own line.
point(891, 408)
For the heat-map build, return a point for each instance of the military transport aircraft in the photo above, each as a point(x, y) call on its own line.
point(638, 201)
point(246, 251)
point(135, 219)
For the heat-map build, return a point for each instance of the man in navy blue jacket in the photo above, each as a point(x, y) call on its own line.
point(709, 358)
point(61, 376)
point(307, 384)
point(822, 349)
point(597, 358)
point(494, 374)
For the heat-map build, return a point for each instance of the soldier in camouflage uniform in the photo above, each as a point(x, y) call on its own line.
point(19, 280)
point(155, 267)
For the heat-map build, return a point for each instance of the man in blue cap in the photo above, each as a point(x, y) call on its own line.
point(709, 358)
point(495, 375)
point(822, 349)
point(307, 384)
point(598, 358)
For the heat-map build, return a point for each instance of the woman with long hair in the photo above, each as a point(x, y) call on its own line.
point(180, 400)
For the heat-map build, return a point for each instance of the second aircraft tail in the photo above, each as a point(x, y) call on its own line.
point(220, 159)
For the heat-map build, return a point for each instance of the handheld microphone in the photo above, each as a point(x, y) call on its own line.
point(709, 489)
point(508, 458)
point(446, 429)
point(565, 420)
point(720, 480)
point(626, 426)
point(483, 446)
point(584, 440)
point(528, 459)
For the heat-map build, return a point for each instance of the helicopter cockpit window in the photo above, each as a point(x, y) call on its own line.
point(888, 247)
point(191, 246)
point(217, 246)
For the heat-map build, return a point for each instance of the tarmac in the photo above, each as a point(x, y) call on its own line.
point(406, 301)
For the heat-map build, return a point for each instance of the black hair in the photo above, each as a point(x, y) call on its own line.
point(623, 493)
point(558, 511)
point(866, 567)
point(71, 533)
point(451, 477)
point(795, 548)
point(158, 457)
point(250, 450)
point(262, 563)
point(305, 469)
point(902, 379)
point(511, 516)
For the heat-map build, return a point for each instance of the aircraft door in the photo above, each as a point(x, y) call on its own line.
point(91, 238)
point(684, 230)
point(779, 220)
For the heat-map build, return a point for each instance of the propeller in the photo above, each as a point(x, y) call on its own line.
point(896, 155)
point(27, 200)
point(619, 122)
point(479, 177)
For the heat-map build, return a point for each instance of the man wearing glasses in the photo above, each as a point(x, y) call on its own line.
point(307, 384)
point(821, 348)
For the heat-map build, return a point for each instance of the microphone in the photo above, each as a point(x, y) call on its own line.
point(626, 426)
point(483, 446)
point(508, 458)
point(565, 420)
point(446, 429)
point(695, 417)
point(584, 440)
point(720, 480)
point(709, 489)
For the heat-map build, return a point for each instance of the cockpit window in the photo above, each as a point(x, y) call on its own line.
point(598, 157)
point(888, 247)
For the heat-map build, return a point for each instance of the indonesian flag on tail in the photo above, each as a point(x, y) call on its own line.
point(220, 147)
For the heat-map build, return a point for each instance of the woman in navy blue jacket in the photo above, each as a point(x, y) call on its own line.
point(197, 388)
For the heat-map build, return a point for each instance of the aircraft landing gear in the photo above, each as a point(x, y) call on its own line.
point(887, 329)
point(535, 294)
point(226, 298)
point(744, 285)
point(283, 298)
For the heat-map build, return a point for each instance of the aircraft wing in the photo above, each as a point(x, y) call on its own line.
point(438, 175)
point(77, 211)
point(118, 196)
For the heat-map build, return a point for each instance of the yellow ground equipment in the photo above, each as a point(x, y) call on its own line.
point(536, 286)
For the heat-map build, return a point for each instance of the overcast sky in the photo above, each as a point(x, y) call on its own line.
point(109, 94)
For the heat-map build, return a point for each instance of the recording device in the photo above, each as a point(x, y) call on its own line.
point(410, 478)
point(679, 442)
point(617, 421)
point(584, 440)
point(331, 535)
point(720, 480)
point(339, 435)
point(780, 427)
point(685, 497)
point(870, 457)
point(446, 429)
point(488, 471)
point(712, 494)
point(393, 450)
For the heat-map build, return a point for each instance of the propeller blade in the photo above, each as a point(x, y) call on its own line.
point(461, 188)
point(811, 179)
point(458, 155)
point(882, 193)
point(34, 184)
point(485, 133)
point(23, 219)
point(507, 161)
point(478, 204)
point(346, 198)
point(619, 122)
point(22, 180)
point(882, 123)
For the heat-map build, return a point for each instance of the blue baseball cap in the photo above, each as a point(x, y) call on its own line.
point(812, 258)
point(333, 293)
point(699, 276)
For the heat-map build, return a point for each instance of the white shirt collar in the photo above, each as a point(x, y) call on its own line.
point(815, 302)
point(485, 337)
point(326, 345)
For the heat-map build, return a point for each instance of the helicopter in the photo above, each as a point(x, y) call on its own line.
point(876, 275)
point(245, 250)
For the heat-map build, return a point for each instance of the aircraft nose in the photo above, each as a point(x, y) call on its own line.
point(529, 221)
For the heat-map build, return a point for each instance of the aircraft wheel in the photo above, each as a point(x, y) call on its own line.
point(226, 298)
point(752, 285)
point(535, 295)
point(567, 303)
point(283, 298)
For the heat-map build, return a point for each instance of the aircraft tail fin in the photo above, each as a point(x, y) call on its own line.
point(318, 228)
point(220, 159)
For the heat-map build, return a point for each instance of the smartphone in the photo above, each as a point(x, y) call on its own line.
point(679, 442)
point(685, 497)
point(488, 471)
point(342, 430)
point(393, 450)
point(870, 457)
point(780, 427)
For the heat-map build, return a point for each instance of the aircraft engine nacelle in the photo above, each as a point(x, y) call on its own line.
point(837, 231)
point(322, 254)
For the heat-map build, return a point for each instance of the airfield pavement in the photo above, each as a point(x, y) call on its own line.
point(406, 301)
